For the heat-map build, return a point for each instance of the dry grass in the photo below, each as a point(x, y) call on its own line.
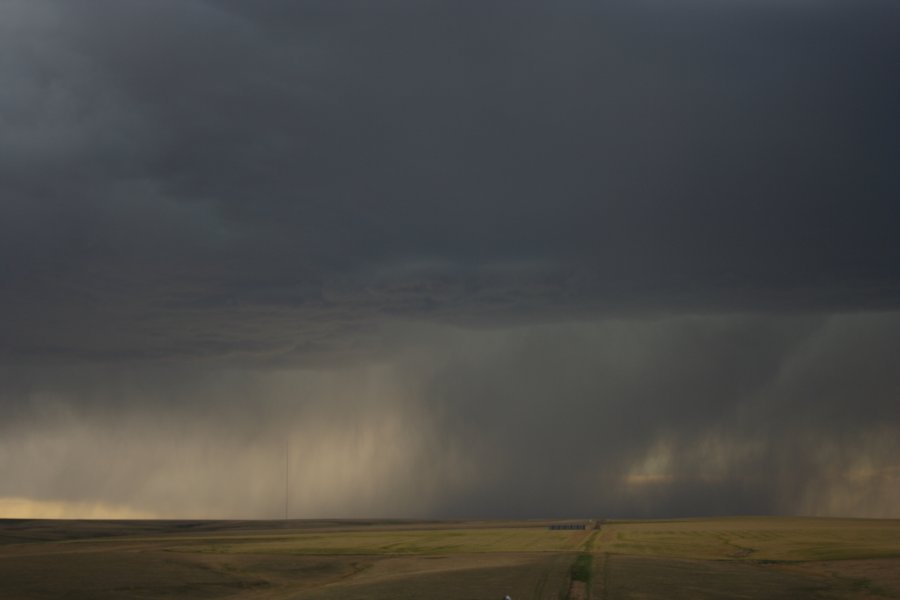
point(435, 541)
point(698, 559)
point(152, 560)
point(756, 538)
point(679, 579)
point(753, 557)
point(474, 577)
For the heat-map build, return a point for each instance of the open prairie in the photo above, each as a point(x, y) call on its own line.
point(274, 560)
point(749, 557)
point(752, 557)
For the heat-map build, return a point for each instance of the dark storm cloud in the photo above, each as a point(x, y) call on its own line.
point(683, 416)
point(227, 178)
point(471, 258)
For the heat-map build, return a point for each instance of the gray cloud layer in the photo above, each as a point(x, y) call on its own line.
point(303, 169)
point(506, 258)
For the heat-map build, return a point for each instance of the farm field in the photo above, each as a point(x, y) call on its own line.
point(753, 557)
point(277, 560)
point(750, 557)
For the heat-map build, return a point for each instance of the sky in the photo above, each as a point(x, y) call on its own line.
point(449, 259)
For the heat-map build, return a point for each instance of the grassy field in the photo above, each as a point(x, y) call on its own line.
point(274, 560)
point(750, 557)
point(757, 538)
point(437, 541)
point(380, 560)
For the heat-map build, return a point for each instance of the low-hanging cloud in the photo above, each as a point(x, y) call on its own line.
point(679, 416)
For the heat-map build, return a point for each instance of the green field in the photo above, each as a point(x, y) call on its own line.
point(753, 557)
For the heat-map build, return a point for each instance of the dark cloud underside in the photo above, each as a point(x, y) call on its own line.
point(507, 258)
point(213, 162)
